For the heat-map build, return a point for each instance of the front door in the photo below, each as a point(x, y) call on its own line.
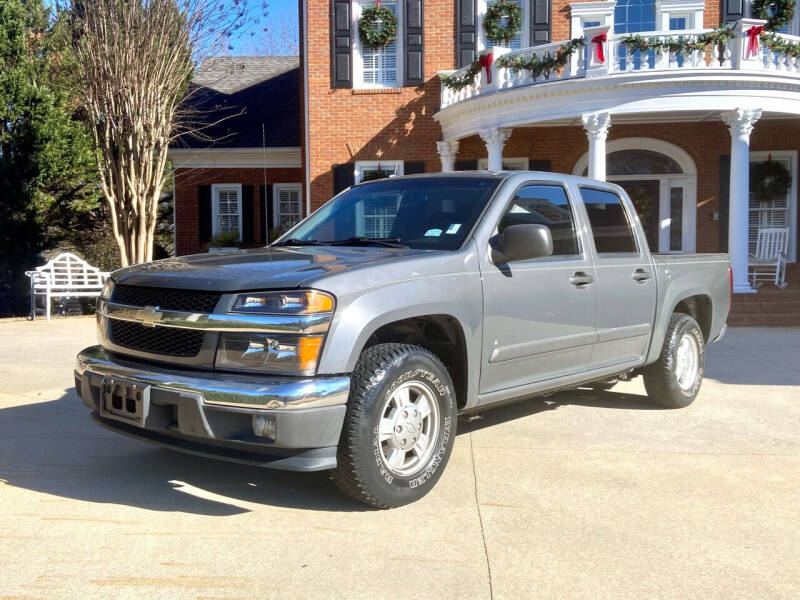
point(538, 314)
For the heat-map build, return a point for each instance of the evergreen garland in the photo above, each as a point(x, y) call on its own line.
point(461, 79)
point(775, 43)
point(377, 26)
point(537, 65)
point(718, 37)
point(782, 12)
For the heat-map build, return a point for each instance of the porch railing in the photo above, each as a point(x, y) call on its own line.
point(620, 58)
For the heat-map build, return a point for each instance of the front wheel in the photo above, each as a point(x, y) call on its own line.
point(399, 427)
point(673, 381)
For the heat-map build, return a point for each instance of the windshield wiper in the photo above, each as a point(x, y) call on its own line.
point(298, 242)
point(358, 240)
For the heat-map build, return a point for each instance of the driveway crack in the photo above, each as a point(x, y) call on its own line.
point(480, 516)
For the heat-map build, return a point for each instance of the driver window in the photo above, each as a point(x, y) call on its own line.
point(545, 205)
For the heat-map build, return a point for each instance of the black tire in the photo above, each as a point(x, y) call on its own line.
point(362, 471)
point(661, 377)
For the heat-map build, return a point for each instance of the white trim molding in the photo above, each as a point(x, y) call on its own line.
point(215, 189)
point(581, 12)
point(692, 10)
point(235, 158)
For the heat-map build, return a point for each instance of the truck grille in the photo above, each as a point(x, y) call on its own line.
point(166, 299)
point(168, 341)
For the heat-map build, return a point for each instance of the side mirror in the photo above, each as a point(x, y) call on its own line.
point(522, 242)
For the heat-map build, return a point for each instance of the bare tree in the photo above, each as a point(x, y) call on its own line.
point(277, 37)
point(136, 59)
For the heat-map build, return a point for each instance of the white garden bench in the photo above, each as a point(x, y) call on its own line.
point(769, 261)
point(65, 276)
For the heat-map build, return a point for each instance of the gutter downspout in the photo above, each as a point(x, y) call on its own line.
point(307, 150)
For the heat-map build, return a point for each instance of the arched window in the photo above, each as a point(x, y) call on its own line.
point(631, 16)
point(639, 162)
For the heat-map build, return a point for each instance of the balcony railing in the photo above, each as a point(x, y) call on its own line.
point(620, 58)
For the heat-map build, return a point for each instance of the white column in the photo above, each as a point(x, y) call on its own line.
point(495, 138)
point(447, 154)
point(740, 122)
point(596, 126)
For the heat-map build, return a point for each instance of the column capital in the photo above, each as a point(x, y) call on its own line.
point(596, 125)
point(741, 120)
point(447, 149)
point(494, 136)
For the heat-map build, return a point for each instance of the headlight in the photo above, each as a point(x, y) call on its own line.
point(275, 353)
point(108, 289)
point(301, 302)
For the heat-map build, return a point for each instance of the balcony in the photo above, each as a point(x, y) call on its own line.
point(606, 74)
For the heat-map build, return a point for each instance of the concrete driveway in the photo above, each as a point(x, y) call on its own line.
point(580, 495)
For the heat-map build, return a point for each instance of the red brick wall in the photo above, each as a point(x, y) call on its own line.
point(187, 222)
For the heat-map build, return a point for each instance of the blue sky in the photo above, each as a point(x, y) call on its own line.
point(276, 10)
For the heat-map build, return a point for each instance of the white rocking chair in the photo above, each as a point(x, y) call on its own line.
point(769, 261)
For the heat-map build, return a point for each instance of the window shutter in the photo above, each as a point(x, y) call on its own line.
point(341, 44)
point(732, 10)
point(469, 164)
point(542, 165)
point(413, 167)
point(724, 200)
point(466, 32)
point(540, 22)
point(204, 212)
point(248, 211)
point(266, 211)
point(343, 177)
point(413, 27)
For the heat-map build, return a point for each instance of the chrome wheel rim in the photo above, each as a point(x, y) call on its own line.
point(408, 428)
point(687, 361)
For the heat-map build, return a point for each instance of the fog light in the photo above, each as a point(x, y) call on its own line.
point(264, 426)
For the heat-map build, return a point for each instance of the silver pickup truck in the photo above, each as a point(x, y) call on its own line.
point(354, 342)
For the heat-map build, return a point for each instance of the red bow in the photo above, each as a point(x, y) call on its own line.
point(752, 40)
point(486, 63)
point(598, 42)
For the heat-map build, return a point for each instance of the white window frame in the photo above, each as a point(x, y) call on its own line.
point(791, 156)
point(520, 163)
point(276, 200)
point(365, 165)
point(215, 189)
point(580, 12)
point(691, 10)
point(524, 38)
point(358, 59)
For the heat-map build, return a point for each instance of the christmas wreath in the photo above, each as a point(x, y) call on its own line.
point(780, 14)
point(769, 180)
point(502, 21)
point(377, 26)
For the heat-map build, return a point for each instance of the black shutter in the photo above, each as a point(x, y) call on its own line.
point(540, 22)
point(266, 212)
point(343, 177)
point(466, 32)
point(732, 10)
point(541, 165)
point(413, 28)
point(341, 44)
point(248, 210)
point(262, 202)
point(468, 164)
point(204, 212)
point(413, 167)
point(724, 200)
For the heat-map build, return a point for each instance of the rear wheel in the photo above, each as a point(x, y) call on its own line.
point(399, 427)
point(673, 381)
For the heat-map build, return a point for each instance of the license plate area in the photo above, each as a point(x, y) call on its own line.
point(125, 400)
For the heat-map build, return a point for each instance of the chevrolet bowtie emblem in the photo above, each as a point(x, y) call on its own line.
point(149, 316)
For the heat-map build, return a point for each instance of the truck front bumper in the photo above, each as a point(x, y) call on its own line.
point(283, 423)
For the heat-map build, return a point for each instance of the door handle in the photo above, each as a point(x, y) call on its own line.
point(640, 275)
point(580, 279)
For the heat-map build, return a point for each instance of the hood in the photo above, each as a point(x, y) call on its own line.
point(257, 268)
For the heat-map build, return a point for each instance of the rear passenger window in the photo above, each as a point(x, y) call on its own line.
point(609, 221)
point(545, 205)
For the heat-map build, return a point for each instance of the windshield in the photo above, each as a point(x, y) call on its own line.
point(426, 213)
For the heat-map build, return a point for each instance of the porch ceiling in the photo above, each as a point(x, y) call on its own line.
point(638, 97)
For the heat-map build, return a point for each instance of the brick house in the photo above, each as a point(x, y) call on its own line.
point(241, 173)
point(674, 129)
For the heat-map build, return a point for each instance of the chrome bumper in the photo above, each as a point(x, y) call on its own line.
point(224, 389)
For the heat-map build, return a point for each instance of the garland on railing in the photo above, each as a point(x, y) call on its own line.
point(537, 65)
point(719, 36)
point(776, 43)
point(461, 79)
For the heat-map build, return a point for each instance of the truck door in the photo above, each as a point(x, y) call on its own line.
point(626, 284)
point(538, 314)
